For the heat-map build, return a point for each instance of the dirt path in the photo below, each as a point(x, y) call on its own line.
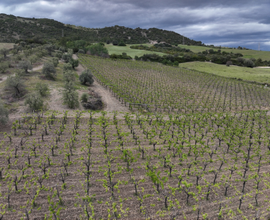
point(39, 67)
point(110, 102)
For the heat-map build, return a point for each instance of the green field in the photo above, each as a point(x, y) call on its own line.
point(260, 75)
point(131, 52)
point(264, 55)
point(6, 45)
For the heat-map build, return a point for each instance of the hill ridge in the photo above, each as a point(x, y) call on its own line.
point(14, 28)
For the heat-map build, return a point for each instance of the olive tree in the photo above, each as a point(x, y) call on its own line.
point(42, 89)
point(25, 65)
point(15, 85)
point(49, 70)
point(74, 63)
point(34, 101)
point(3, 113)
point(86, 77)
point(70, 96)
point(3, 67)
point(4, 51)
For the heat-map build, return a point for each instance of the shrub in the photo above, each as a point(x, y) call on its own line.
point(86, 77)
point(15, 85)
point(3, 113)
point(248, 63)
point(81, 51)
point(121, 44)
point(84, 97)
point(34, 101)
point(42, 88)
point(49, 70)
point(228, 63)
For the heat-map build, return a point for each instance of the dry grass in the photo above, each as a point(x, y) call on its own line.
point(6, 45)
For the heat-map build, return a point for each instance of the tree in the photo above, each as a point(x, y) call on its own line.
point(15, 85)
point(69, 76)
point(55, 61)
point(49, 70)
point(42, 89)
point(66, 57)
point(4, 51)
point(86, 77)
point(74, 63)
point(34, 101)
point(25, 65)
point(70, 96)
point(67, 67)
point(3, 113)
point(97, 49)
point(3, 67)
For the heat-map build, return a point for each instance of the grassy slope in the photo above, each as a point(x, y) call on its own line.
point(264, 55)
point(131, 52)
point(249, 74)
point(6, 45)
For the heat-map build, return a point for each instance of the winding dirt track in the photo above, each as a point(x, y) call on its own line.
point(111, 103)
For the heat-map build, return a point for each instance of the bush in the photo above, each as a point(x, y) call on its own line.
point(121, 44)
point(49, 70)
point(86, 77)
point(34, 101)
point(81, 51)
point(84, 97)
point(3, 113)
point(228, 63)
point(15, 85)
point(42, 88)
point(248, 63)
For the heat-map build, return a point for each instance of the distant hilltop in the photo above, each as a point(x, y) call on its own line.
point(15, 28)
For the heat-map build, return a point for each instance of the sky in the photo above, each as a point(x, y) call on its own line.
point(230, 23)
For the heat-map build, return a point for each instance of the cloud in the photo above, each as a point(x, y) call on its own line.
point(218, 21)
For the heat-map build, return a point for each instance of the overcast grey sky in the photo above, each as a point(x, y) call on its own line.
point(219, 22)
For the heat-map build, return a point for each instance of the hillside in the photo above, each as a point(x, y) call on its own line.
point(14, 28)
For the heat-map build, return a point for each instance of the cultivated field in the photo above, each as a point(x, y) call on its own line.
point(264, 55)
point(134, 166)
point(196, 147)
point(156, 87)
point(260, 75)
point(131, 52)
